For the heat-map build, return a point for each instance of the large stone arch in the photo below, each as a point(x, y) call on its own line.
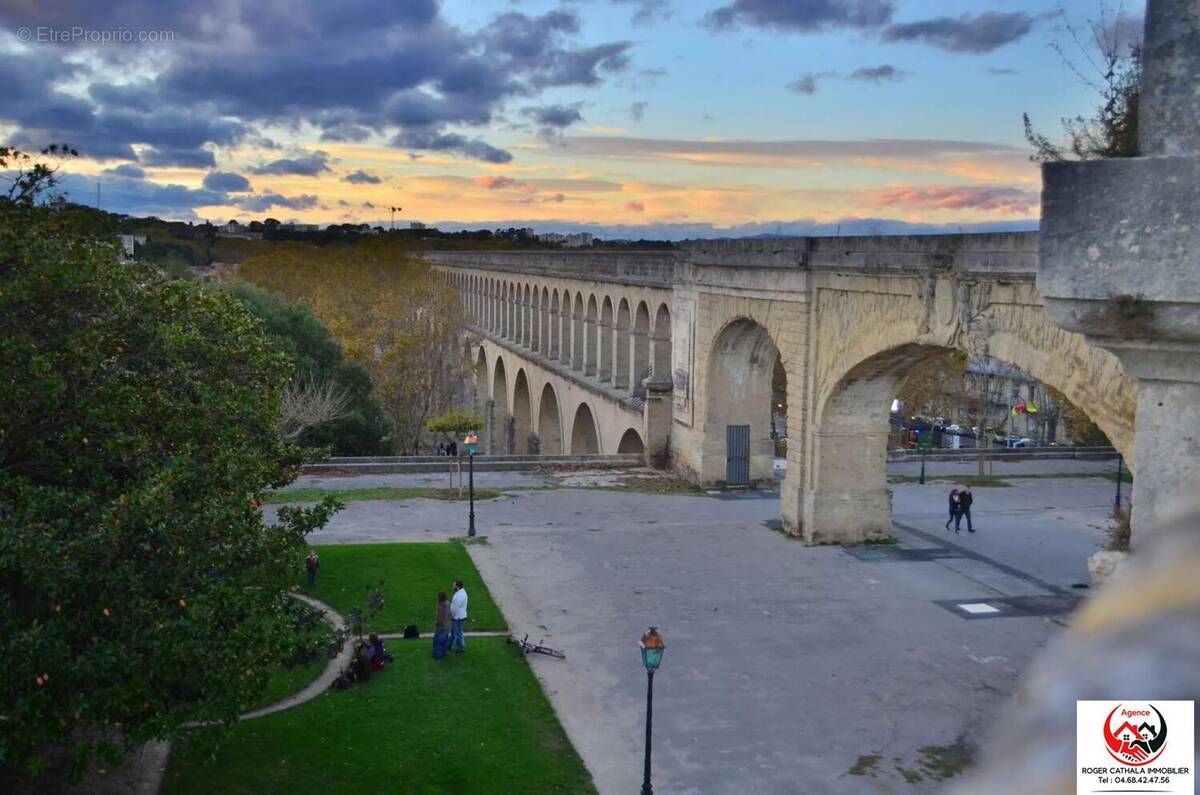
point(843, 493)
point(549, 426)
point(585, 435)
point(737, 389)
point(522, 412)
point(502, 441)
point(631, 442)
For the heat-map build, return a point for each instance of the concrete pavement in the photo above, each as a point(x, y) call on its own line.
point(787, 666)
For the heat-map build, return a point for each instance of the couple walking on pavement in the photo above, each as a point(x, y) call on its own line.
point(960, 507)
point(450, 618)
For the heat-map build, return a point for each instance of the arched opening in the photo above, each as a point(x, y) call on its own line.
point(501, 440)
point(577, 335)
point(591, 340)
point(549, 423)
point(641, 349)
point(622, 346)
point(567, 327)
point(661, 348)
point(535, 321)
point(738, 444)
point(544, 323)
point(584, 438)
point(526, 325)
point(631, 442)
point(524, 442)
point(606, 340)
point(554, 325)
point(505, 309)
point(845, 490)
point(514, 311)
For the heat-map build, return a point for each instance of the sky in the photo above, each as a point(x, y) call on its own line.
point(628, 118)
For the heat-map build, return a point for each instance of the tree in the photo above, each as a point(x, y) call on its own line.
point(1078, 425)
point(31, 177)
point(139, 586)
point(361, 428)
point(392, 313)
point(1112, 67)
point(455, 423)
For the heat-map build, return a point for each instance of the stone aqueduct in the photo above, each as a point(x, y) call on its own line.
point(661, 352)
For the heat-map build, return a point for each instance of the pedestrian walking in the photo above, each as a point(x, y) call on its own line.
point(964, 507)
point(441, 627)
point(954, 506)
point(312, 565)
point(458, 615)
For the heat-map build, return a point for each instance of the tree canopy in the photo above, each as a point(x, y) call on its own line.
point(139, 586)
point(362, 430)
point(392, 313)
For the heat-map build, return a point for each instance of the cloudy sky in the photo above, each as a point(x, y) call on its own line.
point(657, 117)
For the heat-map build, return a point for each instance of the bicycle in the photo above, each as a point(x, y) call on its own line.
point(535, 648)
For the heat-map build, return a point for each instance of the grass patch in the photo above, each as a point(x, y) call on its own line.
point(985, 482)
point(412, 575)
point(472, 723)
point(377, 493)
point(997, 480)
point(866, 765)
point(941, 762)
point(286, 681)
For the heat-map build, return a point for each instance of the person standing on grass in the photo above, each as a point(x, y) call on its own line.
point(954, 506)
point(458, 614)
point(441, 627)
point(312, 565)
point(964, 508)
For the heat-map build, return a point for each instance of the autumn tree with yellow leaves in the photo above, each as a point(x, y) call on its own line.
point(391, 312)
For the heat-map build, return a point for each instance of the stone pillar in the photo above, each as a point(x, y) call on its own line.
point(510, 435)
point(1120, 261)
point(656, 424)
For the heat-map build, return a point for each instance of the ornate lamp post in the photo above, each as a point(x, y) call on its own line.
point(471, 442)
point(652, 653)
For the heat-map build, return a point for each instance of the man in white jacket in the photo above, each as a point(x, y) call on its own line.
point(458, 614)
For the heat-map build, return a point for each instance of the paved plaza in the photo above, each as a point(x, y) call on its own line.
point(787, 666)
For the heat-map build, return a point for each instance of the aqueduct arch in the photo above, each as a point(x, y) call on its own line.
point(522, 416)
point(738, 402)
point(631, 442)
point(550, 423)
point(585, 440)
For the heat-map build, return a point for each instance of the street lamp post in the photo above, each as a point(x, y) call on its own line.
point(652, 647)
point(471, 442)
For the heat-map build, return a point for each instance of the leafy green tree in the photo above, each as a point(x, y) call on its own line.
point(362, 430)
point(139, 586)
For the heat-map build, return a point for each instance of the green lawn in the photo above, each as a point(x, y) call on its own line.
point(378, 493)
point(475, 723)
point(286, 681)
point(412, 575)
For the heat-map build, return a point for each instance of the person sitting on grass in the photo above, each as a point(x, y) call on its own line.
point(376, 655)
point(361, 662)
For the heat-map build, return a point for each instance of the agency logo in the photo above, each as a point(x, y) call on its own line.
point(1135, 734)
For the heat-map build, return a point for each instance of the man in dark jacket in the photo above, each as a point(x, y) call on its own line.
point(964, 508)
